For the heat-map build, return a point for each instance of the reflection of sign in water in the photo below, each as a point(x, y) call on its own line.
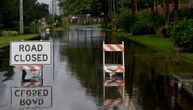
point(23, 97)
point(31, 52)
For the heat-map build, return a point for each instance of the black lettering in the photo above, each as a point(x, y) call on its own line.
point(17, 93)
point(21, 59)
point(34, 101)
point(39, 57)
point(27, 48)
point(28, 93)
point(22, 92)
point(21, 48)
point(41, 101)
point(16, 57)
point(33, 48)
point(27, 57)
point(45, 57)
point(34, 93)
point(34, 57)
point(40, 47)
point(28, 102)
point(40, 92)
point(22, 102)
point(45, 92)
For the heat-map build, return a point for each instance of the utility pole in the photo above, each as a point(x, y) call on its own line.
point(53, 9)
point(21, 17)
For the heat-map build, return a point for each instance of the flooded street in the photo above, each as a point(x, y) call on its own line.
point(76, 75)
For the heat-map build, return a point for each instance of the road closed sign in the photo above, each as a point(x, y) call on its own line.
point(25, 97)
point(30, 52)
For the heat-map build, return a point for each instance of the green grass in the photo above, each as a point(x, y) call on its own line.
point(160, 44)
point(155, 42)
point(5, 40)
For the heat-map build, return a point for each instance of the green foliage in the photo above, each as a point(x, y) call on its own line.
point(29, 29)
point(186, 13)
point(9, 33)
point(125, 20)
point(182, 35)
point(75, 6)
point(143, 25)
point(157, 20)
point(34, 10)
point(9, 12)
point(147, 23)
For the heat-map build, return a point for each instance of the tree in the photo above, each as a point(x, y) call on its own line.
point(75, 6)
point(175, 10)
point(166, 11)
point(8, 12)
point(34, 10)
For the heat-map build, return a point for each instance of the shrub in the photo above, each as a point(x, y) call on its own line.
point(12, 33)
point(163, 31)
point(186, 13)
point(9, 33)
point(29, 29)
point(182, 35)
point(125, 20)
point(157, 20)
point(143, 25)
point(108, 26)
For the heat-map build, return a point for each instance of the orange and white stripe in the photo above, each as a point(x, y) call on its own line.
point(113, 47)
point(114, 102)
point(31, 67)
point(31, 84)
point(114, 83)
point(120, 69)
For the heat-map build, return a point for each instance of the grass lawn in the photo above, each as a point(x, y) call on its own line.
point(5, 40)
point(154, 42)
point(159, 43)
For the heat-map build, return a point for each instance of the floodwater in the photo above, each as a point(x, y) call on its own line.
point(76, 75)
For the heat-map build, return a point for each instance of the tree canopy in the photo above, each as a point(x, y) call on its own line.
point(80, 6)
point(9, 12)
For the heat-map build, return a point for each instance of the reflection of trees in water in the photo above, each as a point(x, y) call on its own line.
point(85, 65)
point(149, 72)
point(4, 64)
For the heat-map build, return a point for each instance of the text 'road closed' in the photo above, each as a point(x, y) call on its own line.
point(30, 53)
point(31, 97)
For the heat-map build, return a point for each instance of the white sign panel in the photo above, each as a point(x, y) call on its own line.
point(30, 52)
point(25, 97)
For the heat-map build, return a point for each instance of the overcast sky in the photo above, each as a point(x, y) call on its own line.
point(45, 1)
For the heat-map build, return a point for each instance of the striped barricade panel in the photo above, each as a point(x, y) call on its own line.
point(114, 102)
point(31, 67)
point(113, 47)
point(114, 83)
point(31, 84)
point(113, 69)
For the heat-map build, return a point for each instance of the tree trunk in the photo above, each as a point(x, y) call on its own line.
point(190, 3)
point(151, 2)
point(175, 10)
point(166, 12)
point(133, 7)
point(156, 6)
